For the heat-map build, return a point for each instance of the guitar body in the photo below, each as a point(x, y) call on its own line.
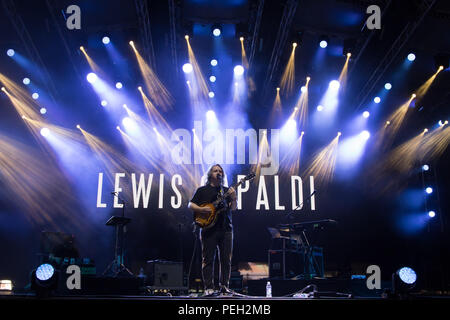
point(206, 220)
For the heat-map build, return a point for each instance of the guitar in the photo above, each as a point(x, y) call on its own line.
point(206, 220)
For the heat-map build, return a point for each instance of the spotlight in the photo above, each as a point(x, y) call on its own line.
point(303, 89)
point(214, 62)
point(104, 103)
point(319, 108)
point(239, 70)
point(429, 190)
point(43, 111)
point(131, 43)
point(366, 114)
point(425, 130)
point(212, 79)
point(403, 280)
point(339, 133)
point(91, 77)
point(388, 123)
point(211, 94)
point(334, 84)
point(323, 41)
point(118, 128)
point(78, 126)
point(3, 89)
point(10, 52)
point(425, 167)
point(388, 86)
point(294, 44)
point(187, 68)
point(413, 95)
point(278, 89)
point(105, 40)
point(241, 38)
point(411, 57)
point(431, 214)
point(365, 135)
point(376, 99)
point(44, 280)
point(26, 81)
point(216, 30)
point(119, 85)
point(45, 132)
point(35, 96)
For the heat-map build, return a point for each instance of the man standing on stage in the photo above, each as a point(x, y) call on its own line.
point(218, 236)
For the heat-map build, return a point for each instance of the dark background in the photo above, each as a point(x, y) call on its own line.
point(373, 226)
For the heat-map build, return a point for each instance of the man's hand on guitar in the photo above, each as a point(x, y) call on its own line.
point(206, 209)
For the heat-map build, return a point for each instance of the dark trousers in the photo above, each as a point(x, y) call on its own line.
point(223, 240)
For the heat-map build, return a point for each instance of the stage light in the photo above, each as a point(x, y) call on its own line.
point(3, 89)
point(187, 68)
point(216, 30)
point(334, 84)
point(388, 86)
point(43, 111)
point(78, 126)
point(339, 133)
point(431, 214)
point(104, 103)
point(6, 285)
point(411, 57)
point(119, 85)
point(26, 81)
point(210, 114)
point(91, 77)
point(440, 123)
point(118, 128)
point(425, 167)
point(349, 54)
point(294, 44)
point(323, 43)
point(388, 123)
point(10, 52)
point(211, 94)
point(241, 38)
point(45, 132)
point(44, 272)
point(319, 108)
point(365, 135)
point(131, 43)
point(366, 114)
point(403, 280)
point(425, 130)
point(238, 70)
point(212, 79)
point(429, 190)
point(106, 40)
point(377, 99)
point(214, 62)
point(303, 89)
point(44, 279)
point(35, 96)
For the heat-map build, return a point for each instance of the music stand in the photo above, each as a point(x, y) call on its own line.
point(116, 266)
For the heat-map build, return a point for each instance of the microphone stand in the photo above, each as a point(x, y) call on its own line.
point(301, 204)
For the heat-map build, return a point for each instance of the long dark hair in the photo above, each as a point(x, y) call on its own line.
point(209, 174)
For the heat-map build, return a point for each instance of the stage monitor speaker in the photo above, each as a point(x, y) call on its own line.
point(296, 263)
point(164, 274)
point(290, 266)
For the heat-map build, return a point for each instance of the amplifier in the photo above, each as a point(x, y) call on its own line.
point(287, 264)
point(164, 274)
